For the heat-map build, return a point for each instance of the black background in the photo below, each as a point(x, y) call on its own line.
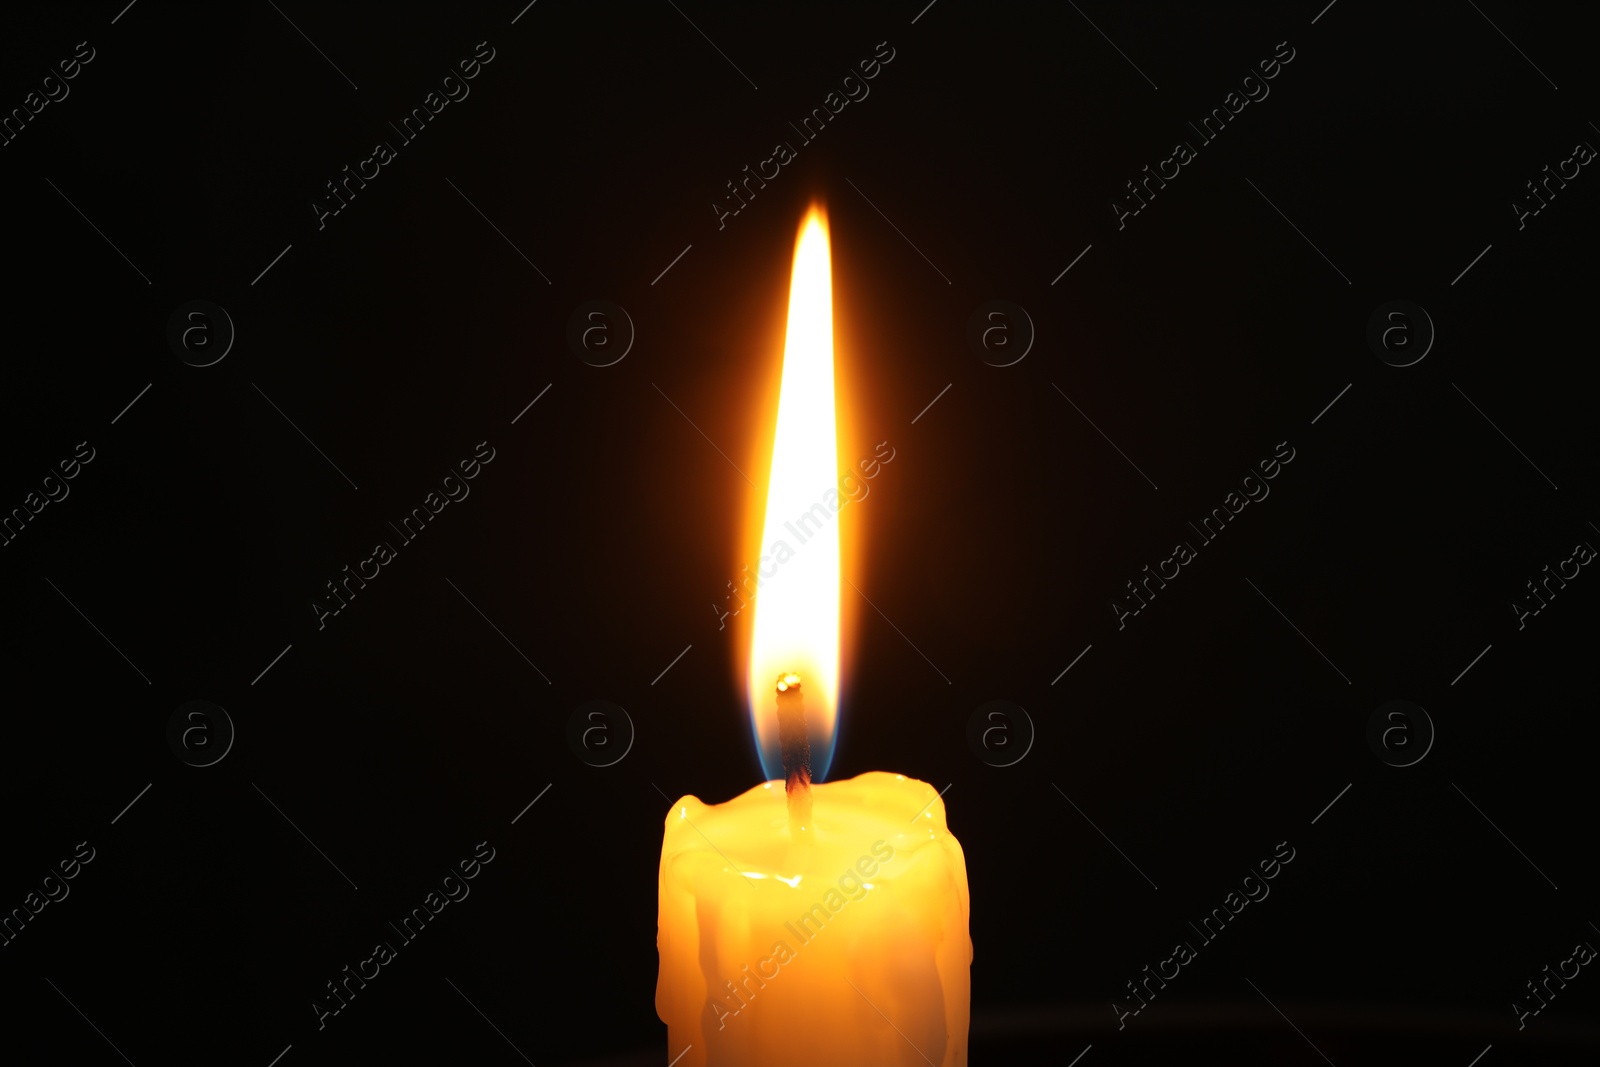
point(407, 330)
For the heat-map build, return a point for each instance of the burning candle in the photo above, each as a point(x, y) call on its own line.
point(802, 923)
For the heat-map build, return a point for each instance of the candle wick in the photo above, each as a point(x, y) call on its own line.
point(796, 746)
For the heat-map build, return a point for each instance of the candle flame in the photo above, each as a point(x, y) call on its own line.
point(796, 629)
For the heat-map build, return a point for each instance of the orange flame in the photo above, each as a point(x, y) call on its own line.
point(796, 625)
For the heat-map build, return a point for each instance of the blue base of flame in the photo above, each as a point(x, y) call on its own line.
point(822, 746)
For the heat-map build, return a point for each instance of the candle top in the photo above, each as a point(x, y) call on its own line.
point(749, 835)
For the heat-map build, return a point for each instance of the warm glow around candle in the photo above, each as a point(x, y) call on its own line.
point(797, 610)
